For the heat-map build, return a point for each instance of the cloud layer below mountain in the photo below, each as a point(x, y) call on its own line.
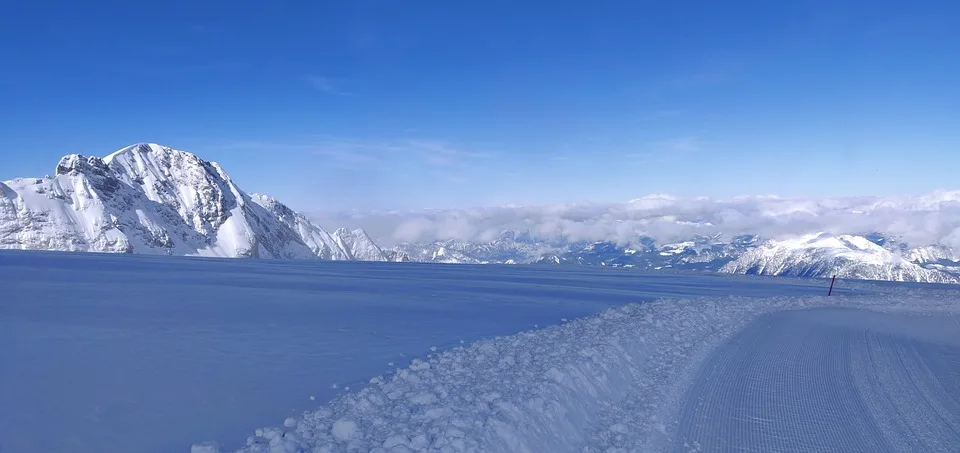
point(918, 220)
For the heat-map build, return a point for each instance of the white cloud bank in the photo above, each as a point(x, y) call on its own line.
point(919, 220)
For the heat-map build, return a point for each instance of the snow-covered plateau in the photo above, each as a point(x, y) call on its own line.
point(137, 353)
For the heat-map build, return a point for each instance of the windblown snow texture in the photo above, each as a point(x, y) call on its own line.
point(149, 199)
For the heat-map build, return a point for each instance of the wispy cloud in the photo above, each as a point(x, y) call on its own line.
point(687, 144)
point(257, 145)
point(711, 71)
point(662, 151)
point(436, 158)
point(327, 85)
point(348, 159)
point(660, 114)
point(450, 177)
point(643, 158)
point(179, 66)
point(440, 154)
point(428, 153)
point(171, 50)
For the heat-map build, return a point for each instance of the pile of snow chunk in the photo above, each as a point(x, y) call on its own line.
point(551, 389)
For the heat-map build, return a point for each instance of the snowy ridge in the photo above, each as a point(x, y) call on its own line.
point(822, 255)
point(359, 245)
point(151, 199)
point(609, 382)
point(452, 256)
point(929, 254)
point(321, 243)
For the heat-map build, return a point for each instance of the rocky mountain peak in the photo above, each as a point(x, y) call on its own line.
point(148, 198)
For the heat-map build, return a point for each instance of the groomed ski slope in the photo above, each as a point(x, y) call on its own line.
point(856, 373)
point(829, 379)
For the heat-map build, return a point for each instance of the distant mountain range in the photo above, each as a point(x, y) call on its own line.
point(151, 199)
point(871, 257)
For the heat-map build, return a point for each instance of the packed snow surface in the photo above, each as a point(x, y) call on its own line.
point(159, 354)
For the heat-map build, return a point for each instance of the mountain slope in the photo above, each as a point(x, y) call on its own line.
point(929, 254)
point(321, 243)
point(151, 199)
point(358, 245)
point(821, 255)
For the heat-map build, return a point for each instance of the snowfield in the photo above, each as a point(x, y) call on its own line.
point(164, 354)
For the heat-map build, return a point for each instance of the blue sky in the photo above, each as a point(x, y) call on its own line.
point(358, 104)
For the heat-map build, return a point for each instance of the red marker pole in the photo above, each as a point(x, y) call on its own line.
point(830, 293)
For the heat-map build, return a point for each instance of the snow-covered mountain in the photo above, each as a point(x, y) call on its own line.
point(151, 199)
point(870, 256)
point(846, 256)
